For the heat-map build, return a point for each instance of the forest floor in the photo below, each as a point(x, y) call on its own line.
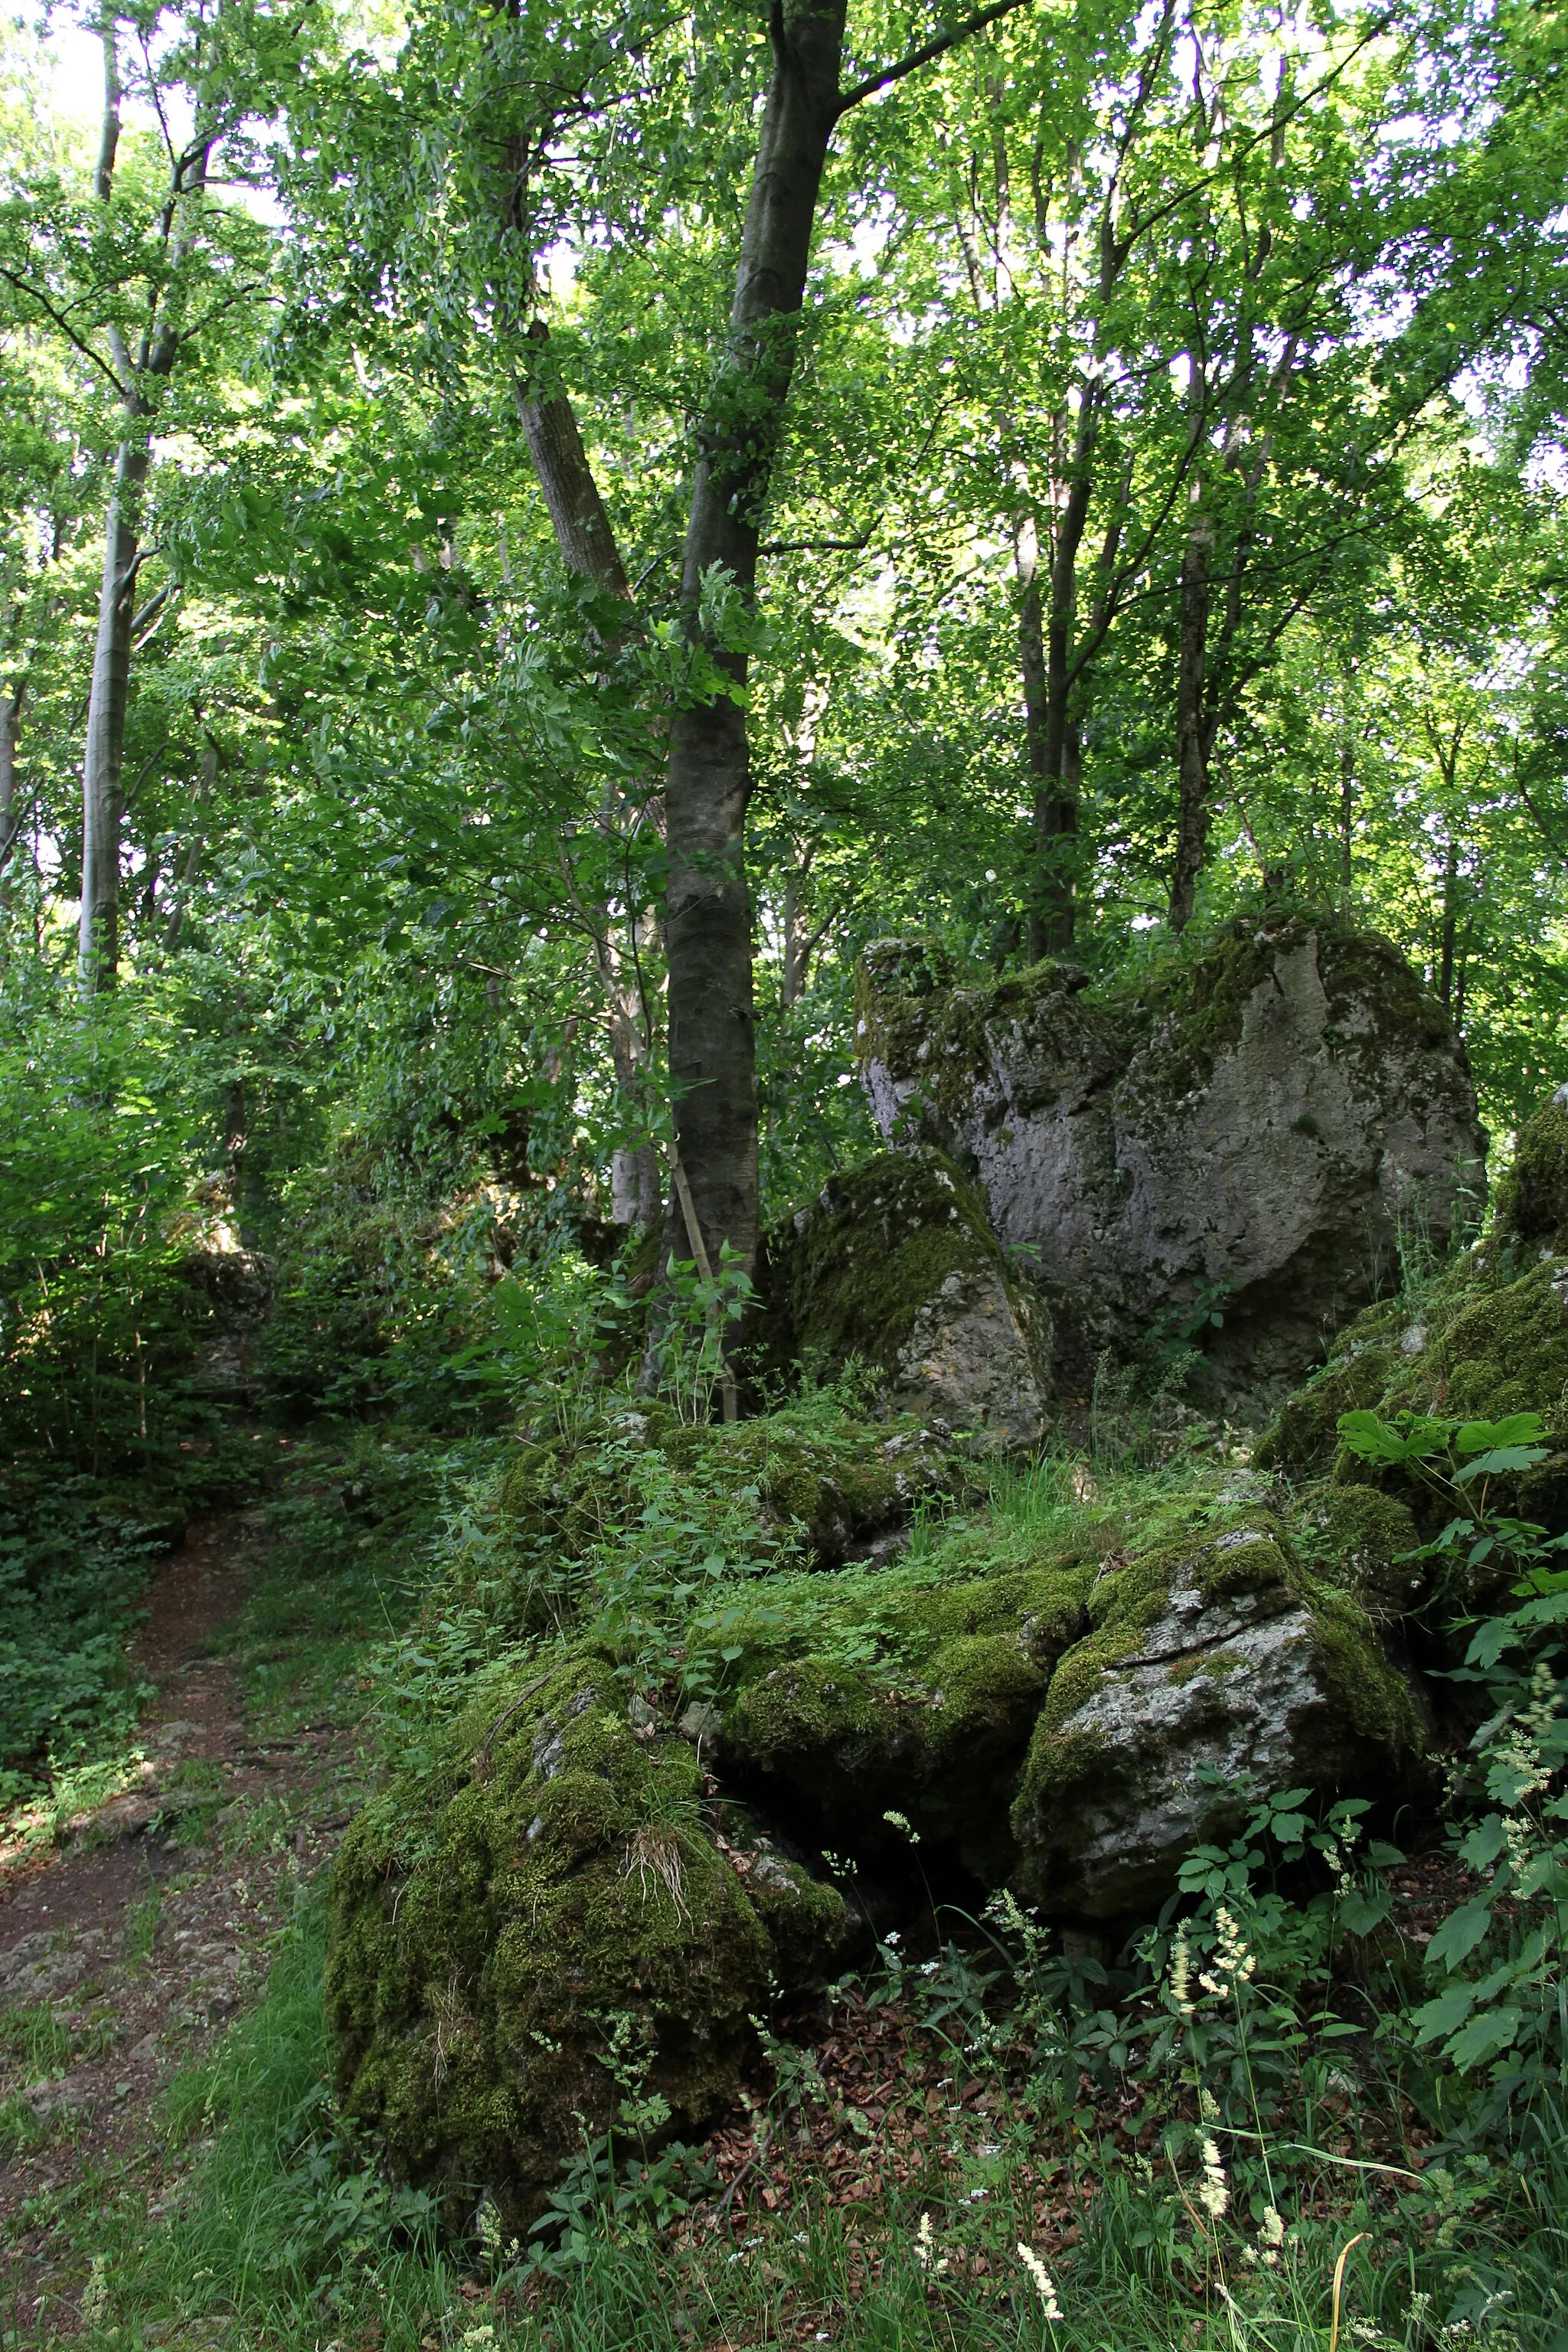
point(127, 1947)
point(171, 2174)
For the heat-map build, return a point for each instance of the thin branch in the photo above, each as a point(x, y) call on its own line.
point(922, 57)
point(66, 328)
point(814, 546)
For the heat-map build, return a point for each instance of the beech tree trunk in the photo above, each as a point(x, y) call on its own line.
point(10, 814)
point(1193, 740)
point(712, 1048)
point(586, 538)
point(98, 938)
point(584, 531)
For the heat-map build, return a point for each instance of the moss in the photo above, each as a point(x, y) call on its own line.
point(1359, 1538)
point(1532, 1199)
point(873, 1249)
point(810, 1481)
point(1074, 1765)
point(1248, 1555)
point(938, 1037)
point(898, 1695)
point(550, 1882)
point(1369, 1691)
point(1303, 1434)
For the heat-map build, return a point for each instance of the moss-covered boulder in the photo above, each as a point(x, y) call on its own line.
point(1216, 1668)
point(543, 1914)
point(904, 1692)
point(1363, 1540)
point(896, 1267)
point(1246, 1136)
point(810, 1484)
point(1487, 1338)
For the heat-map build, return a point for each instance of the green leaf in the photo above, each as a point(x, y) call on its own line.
point(1484, 1436)
point(1461, 1932)
point(1445, 2014)
point(1483, 2038)
point(1506, 1457)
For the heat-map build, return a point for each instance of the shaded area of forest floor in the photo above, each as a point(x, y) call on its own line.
point(126, 1948)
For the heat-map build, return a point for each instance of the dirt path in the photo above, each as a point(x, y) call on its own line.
point(127, 1948)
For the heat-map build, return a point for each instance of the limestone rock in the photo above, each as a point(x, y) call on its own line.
point(544, 1905)
point(1215, 1671)
point(1246, 1138)
point(896, 1266)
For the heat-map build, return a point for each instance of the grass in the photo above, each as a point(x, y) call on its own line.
point(259, 2224)
point(293, 2242)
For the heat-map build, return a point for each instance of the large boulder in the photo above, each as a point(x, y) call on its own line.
point(542, 1919)
point(1217, 1671)
point(1250, 1138)
point(896, 1267)
point(1487, 1338)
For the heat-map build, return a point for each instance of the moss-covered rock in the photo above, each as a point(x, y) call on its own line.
point(542, 1911)
point(1361, 1539)
point(810, 1483)
point(1532, 1199)
point(896, 1267)
point(898, 1693)
point(1216, 1668)
point(1485, 1341)
point(1246, 1136)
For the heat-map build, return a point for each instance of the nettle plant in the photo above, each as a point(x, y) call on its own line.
point(1498, 2014)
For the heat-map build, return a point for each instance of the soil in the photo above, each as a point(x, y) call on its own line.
point(126, 1948)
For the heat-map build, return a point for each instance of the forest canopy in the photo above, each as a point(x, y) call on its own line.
point(529, 537)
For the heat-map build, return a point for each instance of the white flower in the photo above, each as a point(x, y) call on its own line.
point(1045, 2287)
point(1214, 2196)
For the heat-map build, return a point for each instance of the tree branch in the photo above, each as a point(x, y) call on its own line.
point(58, 319)
point(922, 57)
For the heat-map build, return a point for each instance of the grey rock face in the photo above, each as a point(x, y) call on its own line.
point(897, 1265)
point(1235, 1678)
point(1251, 1141)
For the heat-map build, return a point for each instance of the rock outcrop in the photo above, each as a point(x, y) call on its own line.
point(540, 1921)
point(1216, 1669)
point(1249, 1140)
point(897, 1266)
point(1487, 1337)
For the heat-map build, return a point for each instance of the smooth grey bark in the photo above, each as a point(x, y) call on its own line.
point(10, 816)
point(140, 377)
point(586, 538)
point(708, 924)
point(584, 531)
point(1193, 743)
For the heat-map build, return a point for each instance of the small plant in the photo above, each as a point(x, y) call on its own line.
point(1499, 2017)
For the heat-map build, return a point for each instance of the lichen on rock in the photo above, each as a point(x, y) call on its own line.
point(1216, 1668)
point(1247, 1134)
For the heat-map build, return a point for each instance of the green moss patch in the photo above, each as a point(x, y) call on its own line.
point(853, 1272)
point(544, 1913)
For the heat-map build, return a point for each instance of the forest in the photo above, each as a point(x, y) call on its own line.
point(783, 1200)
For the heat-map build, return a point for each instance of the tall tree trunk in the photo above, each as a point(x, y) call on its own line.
point(98, 938)
point(10, 814)
point(97, 941)
point(712, 1043)
point(586, 538)
point(584, 531)
point(1193, 735)
point(1450, 924)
